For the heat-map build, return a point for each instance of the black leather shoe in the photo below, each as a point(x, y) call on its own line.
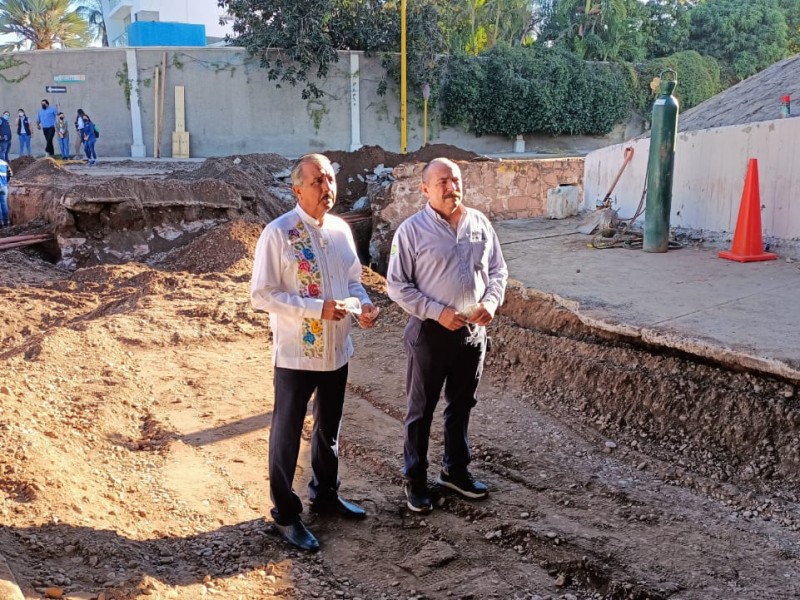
point(339, 506)
point(298, 535)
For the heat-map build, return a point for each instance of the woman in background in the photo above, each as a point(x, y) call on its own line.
point(23, 132)
point(89, 139)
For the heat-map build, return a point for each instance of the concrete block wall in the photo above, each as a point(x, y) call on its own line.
point(231, 106)
point(508, 189)
point(710, 169)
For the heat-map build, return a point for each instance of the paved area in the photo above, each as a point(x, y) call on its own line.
point(689, 299)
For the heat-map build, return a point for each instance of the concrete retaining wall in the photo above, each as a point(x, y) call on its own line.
point(710, 169)
point(231, 106)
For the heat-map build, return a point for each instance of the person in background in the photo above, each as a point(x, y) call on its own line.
point(446, 270)
point(89, 139)
point(46, 121)
point(62, 133)
point(307, 276)
point(79, 132)
point(23, 132)
point(5, 135)
point(5, 177)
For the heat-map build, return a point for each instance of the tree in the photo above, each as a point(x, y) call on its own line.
point(42, 25)
point(306, 34)
point(298, 29)
point(92, 12)
point(666, 27)
point(477, 25)
point(745, 37)
point(791, 12)
point(597, 29)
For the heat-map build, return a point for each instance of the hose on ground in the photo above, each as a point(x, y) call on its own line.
point(617, 233)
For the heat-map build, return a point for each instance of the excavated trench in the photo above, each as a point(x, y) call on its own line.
point(717, 428)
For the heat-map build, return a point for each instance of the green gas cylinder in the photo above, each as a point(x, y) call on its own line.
point(663, 132)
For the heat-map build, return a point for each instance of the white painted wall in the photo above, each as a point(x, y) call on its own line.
point(710, 169)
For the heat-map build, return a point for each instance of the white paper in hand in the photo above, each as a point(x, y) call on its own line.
point(353, 305)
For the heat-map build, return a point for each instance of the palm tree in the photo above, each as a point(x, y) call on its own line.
point(42, 25)
point(92, 12)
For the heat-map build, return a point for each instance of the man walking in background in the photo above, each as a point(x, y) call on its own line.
point(446, 270)
point(306, 274)
point(46, 121)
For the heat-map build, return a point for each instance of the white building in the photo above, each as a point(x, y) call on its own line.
point(120, 14)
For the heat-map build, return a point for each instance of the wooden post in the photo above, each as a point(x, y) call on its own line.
point(180, 137)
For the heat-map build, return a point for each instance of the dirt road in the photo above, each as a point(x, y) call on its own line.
point(134, 423)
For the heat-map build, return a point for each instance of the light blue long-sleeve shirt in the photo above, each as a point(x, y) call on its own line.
point(47, 116)
point(432, 265)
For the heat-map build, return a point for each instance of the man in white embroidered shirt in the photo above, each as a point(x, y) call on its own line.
point(307, 275)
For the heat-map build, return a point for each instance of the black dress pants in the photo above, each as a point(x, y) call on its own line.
point(49, 133)
point(293, 390)
point(438, 357)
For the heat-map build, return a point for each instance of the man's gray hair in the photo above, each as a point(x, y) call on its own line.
point(297, 170)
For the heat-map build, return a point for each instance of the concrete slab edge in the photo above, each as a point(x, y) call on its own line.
point(9, 590)
point(667, 339)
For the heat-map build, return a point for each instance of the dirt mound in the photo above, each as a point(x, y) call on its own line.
point(42, 170)
point(354, 166)
point(18, 165)
point(25, 267)
point(257, 177)
point(229, 247)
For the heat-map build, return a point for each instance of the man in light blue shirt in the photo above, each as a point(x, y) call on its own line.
point(447, 271)
point(46, 121)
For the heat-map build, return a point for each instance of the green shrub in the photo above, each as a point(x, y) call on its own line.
point(698, 79)
point(510, 91)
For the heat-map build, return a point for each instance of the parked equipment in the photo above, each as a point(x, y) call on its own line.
point(604, 216)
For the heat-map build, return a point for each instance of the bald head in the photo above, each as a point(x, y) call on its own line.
point(441, 184)
point(434, 165)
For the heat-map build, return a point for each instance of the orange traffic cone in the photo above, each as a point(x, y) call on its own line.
point(747, 243)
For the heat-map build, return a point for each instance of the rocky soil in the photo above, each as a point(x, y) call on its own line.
point(135, 417)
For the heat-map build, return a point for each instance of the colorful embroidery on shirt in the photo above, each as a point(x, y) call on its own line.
point(310, 282)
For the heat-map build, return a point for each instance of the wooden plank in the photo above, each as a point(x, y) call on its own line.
point(21, 238)
point(21, 244)
point(180, 115)
point(180, 144)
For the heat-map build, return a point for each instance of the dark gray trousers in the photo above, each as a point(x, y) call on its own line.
point(439, 357)
point(293, 389)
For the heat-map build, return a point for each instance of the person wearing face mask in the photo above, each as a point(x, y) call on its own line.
point(23, 132)
point(46, 121)
point(5, 135)
point(62, 133)
point(89, 139)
